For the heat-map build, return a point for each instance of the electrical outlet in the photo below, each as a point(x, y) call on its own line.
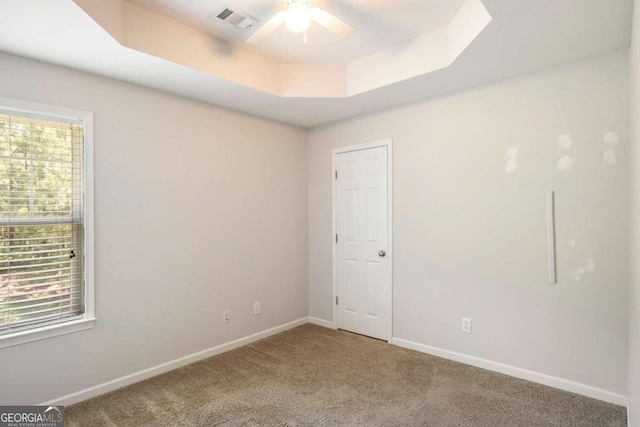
point(256, 308)
point(466, 325)
point(226, 318)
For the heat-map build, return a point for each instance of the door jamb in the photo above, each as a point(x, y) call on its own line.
point(334, 158)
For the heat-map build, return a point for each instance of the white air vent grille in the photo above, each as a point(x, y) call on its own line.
point(232, 17)
point(225, 14)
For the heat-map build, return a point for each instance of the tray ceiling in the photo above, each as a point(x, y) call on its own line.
point(126, 41)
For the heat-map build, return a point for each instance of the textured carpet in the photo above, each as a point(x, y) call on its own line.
point(311, 376)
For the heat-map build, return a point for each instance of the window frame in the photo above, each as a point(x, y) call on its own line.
point(87, 319)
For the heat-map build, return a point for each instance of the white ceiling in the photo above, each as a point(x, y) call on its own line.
point(524, 36)
point(381, 23)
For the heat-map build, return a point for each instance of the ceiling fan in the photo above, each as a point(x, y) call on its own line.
point(297, 19)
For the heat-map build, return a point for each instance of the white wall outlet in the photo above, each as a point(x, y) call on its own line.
point(256, 308)
point(226, 318)
point(466, 325)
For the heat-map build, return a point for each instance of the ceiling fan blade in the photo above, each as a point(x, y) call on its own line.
point(269, 27)
point(333, 23)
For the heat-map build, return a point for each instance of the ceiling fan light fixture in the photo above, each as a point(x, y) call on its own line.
point(298, 18)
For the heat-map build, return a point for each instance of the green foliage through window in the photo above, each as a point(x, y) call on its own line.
point(41, 277)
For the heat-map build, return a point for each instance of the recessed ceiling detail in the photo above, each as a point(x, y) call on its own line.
point(381, 25)
point(155, 34)
point(210, 61)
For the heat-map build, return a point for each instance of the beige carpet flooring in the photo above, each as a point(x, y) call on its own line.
point(311, 376)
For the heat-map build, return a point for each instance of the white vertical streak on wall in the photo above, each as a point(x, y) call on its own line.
point(634, 235)
point(551, 236)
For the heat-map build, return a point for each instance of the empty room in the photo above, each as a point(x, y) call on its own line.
point(319, 213)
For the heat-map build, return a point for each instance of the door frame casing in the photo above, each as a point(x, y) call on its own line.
point(334, 162)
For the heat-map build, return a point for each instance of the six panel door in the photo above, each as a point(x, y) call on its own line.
point(363, 286)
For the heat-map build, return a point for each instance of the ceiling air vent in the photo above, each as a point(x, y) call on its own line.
point(232, 17)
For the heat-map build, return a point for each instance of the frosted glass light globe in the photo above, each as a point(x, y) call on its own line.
point(298, 18)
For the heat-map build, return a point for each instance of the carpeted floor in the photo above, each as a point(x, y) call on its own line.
point(311, 376)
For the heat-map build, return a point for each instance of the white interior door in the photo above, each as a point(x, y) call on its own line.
point(363, 285)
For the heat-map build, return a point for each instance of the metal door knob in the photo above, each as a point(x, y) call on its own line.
point(382, 253)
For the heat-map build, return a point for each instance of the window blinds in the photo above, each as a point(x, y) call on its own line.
point(41, 221)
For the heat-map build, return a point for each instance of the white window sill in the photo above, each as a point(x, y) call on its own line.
point(48, 331)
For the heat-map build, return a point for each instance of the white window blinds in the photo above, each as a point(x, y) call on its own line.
point(41, 221)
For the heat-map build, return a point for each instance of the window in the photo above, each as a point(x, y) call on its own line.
point(45, 227)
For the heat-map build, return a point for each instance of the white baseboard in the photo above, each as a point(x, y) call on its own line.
point(513, 371)
point(548, 380)
point(322, 322)
point(135, 377)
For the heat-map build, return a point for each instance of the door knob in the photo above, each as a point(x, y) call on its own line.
point(382, 253)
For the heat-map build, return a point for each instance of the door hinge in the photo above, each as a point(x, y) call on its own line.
point(336, 300)
point(336, 174)
point(336, 238)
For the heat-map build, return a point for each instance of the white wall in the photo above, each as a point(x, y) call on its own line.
point(188, 196)
point(470, 240)
point(198, 210)
point(634, 239)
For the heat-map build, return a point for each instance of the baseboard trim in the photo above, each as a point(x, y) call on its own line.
point(536, 377)
point(144, 374)
point(513, 371)
point(322, 322)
